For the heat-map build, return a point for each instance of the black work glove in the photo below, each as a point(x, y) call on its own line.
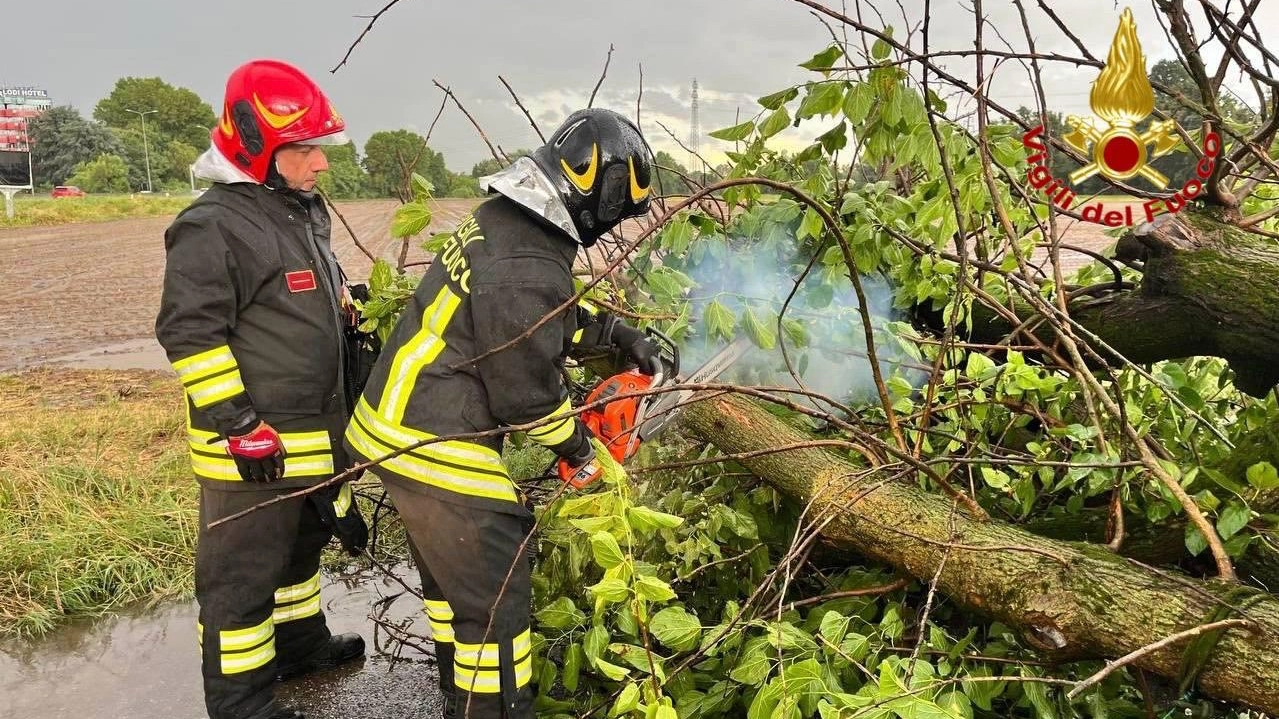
point(257, 451)
point(339, 512)
point(638, 348)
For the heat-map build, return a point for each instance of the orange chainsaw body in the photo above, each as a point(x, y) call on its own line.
point(614, 422)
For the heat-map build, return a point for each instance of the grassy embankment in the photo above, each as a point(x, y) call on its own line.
point(97, 505)
point(43, 211)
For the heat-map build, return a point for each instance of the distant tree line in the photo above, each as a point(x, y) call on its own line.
point(106, 153)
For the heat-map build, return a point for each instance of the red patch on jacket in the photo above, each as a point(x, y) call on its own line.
point(300, 281)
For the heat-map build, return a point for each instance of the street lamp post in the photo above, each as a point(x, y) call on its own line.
point(146, 152)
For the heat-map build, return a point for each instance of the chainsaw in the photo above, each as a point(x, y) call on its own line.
point(623, 424)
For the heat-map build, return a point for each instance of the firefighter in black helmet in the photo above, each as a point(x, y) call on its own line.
point(505, 269)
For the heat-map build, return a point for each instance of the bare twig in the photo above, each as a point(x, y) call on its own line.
point(523, 109)
point(1136, 654)
point(603, 74)
point(367, 28)
point(347, 225)
point(478, 129)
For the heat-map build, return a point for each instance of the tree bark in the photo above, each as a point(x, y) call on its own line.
point(1074, 598)
point(1207, 289)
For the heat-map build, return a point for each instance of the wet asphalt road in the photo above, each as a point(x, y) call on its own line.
point(144, 664)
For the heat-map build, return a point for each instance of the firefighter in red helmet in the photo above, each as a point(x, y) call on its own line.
point(255, 319)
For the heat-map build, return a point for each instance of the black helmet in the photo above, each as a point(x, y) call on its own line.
point(602, 169)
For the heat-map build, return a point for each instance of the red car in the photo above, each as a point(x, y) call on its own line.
point(67, 191)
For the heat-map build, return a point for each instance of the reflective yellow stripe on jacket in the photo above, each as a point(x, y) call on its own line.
point(211, 376)
point(306, 454)
point(418, 352)
point(453, 465)
point(554, 431)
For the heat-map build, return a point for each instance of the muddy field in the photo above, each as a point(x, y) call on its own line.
point(86, 295)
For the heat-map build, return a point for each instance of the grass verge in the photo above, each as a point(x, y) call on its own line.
point(44, 211)
point(97, 505)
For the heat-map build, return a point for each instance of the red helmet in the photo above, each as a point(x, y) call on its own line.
point(268, 104)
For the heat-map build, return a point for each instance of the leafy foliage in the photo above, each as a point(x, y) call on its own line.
point(106, 173)
point(691, 592)
point(61, 139)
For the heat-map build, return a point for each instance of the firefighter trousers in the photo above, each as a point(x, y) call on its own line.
point(479, 621)
point(257, 581)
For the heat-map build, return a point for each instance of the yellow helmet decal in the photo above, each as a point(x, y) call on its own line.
point(279, 122)
point(225, 125)
point(637, 193)
point(586, 180)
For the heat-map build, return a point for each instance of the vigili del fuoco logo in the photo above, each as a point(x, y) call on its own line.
point(1119, 149)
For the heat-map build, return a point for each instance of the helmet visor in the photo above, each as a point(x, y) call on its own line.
point(337, 138)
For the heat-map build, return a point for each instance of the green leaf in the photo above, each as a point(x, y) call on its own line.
point(777, 99)
point(834, 139)
point(775, 122)
point(811, 225)
point(382, 275)
point(1262, 475)
point(677, 236)
point(606, 550)
point(572, 666)
point(916, 707)
point(560, 614)
point(956, 705)
point(648, 520)
point(594, 642)
point(612, 671)
point(676, 628)
point(1232, 519)
point(610, 590)
point(994, 478)
point(824, 59)
point(735, 133)
point(754, 666)
point(654, 589)
point(627, 701)
point(666, 712)
point(795, 332)
point(719, 320)
point(764, 335)
point(422, 188)
point(833, 627)
point(880, 50)
point(410, 219)
point(787, 636)
point(1038, 696)
point(858, 102)
point(823, 98)
point(1195, 542)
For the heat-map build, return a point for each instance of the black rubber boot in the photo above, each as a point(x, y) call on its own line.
point(287, 713)
point(340, 648)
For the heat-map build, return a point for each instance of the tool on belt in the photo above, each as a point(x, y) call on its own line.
point(623, 424)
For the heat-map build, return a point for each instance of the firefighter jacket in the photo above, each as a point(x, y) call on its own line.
point(499, 274)
point(251, 319)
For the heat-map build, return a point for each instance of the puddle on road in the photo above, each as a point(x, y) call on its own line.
point(142, 353)
point(144, 664)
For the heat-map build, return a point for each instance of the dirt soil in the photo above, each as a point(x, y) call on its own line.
point(72, 289)
point(86, 295)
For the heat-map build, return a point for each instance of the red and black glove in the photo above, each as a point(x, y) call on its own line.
point(258, 452)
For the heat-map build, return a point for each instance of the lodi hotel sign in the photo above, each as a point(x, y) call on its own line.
point(1115, 142)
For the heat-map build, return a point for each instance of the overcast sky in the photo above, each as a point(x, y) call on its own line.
point(550, 51)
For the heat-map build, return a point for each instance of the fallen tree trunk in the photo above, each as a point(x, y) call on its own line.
point(1074, 598)
point(1207, 289)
